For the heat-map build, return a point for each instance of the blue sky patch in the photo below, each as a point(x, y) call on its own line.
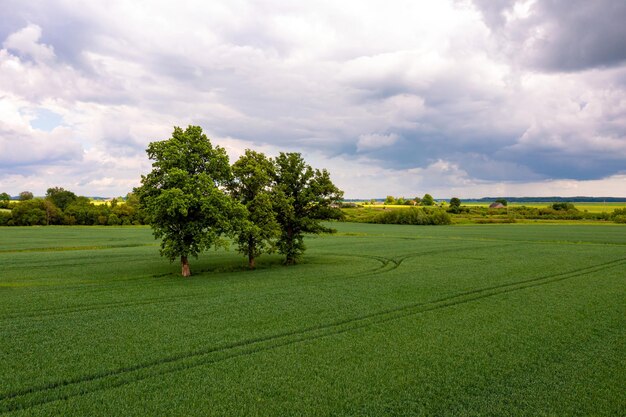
point(46, 120)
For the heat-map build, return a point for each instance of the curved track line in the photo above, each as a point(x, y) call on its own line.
point(63, 390)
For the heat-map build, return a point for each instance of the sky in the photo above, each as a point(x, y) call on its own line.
point(465, 98)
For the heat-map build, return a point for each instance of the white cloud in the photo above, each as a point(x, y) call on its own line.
point(393, 97)
point(374, 141)
point(26, 41)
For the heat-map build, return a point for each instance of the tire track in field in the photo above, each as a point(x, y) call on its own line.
point(386, 265)
point(66, 389)
point(389, 264)
point(40, 313)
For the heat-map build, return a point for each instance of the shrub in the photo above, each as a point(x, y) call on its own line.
point(413, 216)
point(5, 218)
point(563, 207)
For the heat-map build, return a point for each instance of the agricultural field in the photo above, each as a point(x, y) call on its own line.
point(591, 207)
point(377, 320)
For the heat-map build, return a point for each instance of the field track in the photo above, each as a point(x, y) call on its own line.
point(103, 322)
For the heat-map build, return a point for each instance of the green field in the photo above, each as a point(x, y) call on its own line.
point(378, 320)
point(591, 207)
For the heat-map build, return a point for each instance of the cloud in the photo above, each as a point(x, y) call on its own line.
point(415, 94)
point(26, 43)
point(374, 141)
point(559, 35)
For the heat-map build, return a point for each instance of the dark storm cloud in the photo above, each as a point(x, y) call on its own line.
point(443, 98)
point(562, 35)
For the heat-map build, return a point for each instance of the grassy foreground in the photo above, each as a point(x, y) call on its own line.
point(378, 320)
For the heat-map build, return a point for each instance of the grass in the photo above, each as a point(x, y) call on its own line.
point(591, 207)
point(378, 320)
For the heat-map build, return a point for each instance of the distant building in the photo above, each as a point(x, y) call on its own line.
point(496, 205)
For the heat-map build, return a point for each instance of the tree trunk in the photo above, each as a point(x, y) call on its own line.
point(251, 262)
point(290, 258)
point(184, 263)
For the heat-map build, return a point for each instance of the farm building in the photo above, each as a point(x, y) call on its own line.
point(497, 205)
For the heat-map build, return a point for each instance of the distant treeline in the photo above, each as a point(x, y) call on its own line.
point(63, 207)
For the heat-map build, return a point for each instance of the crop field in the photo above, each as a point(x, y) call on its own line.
point(377, 320)
point(591, 207)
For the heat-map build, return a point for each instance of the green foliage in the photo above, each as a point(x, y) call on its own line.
point(250, 185)
point(502, 201)
point(5, 218)
point(4, 200)
point(390, 200)
point(26, 195)
point(428, 200)
point(619, 215)
point(60, 197)
point(455, 206)
point(384, 320)
point(563, 206)
point(34, 212)
point(183, 194)
point(413, 216)
point(303, 197)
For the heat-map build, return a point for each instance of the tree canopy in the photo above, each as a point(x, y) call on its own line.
point(250, 185)
point(4, 200)
point(428, 200)
point(303, 198)
point(184, 196)
point(60, 197)
point(26, 195)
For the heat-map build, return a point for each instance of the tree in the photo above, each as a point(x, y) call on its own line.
point(455, 202)
point(33, 212)
point(60, 197)
point(4, 200)
point(390, 199)
point(502, 201)
point(303, 197)
point(26, 195)
point(252, 179)
point(183, 195)
point(428, 200)
point(565, 206)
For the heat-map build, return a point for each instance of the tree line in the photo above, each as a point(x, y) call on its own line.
point(195, 199)
point(64, 207)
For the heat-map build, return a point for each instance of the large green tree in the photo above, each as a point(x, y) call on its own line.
point(252, 179)
point(428, 200)
point(60, 197)
point(26, 195)
point(183, 195)
point(303, 197)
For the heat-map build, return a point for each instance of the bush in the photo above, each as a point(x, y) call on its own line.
point(413, 216)
point(5, 218)
point(563, 207)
